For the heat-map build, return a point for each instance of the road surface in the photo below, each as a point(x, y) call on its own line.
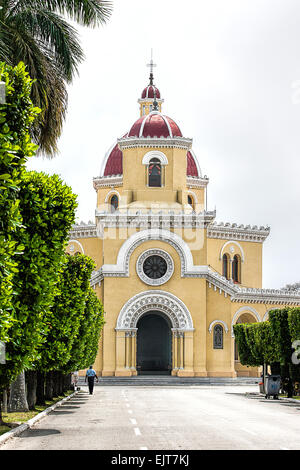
point(166, 418)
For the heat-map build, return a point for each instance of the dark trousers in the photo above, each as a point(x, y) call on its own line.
point(91, 384)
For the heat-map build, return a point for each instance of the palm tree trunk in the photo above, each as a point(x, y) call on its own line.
point(17, 399)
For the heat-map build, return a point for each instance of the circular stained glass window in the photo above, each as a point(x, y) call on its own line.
point(155, 267)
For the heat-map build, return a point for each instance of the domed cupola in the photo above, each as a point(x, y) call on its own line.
point(155, 124)
point(150, 91)
point(150, 95)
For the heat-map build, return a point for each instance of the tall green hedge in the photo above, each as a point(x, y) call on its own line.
point(16, 117)
point(47, 207)
point(67, 313)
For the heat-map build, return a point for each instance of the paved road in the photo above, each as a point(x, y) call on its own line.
point(166, 418)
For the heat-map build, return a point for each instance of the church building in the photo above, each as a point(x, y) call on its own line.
point(172, 280)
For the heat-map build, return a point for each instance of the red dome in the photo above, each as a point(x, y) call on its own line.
point(155, 125)
point(114, 163)
point(191, 169)
point(148, 92)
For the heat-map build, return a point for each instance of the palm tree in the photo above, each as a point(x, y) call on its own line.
point(37, 33)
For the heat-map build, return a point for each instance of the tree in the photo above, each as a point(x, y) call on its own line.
point(47, 207)
point(16, 117)
point(85, 346)
point(282, 344)
point(36, 33)
point(74, 319)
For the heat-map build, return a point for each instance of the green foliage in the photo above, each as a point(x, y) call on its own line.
point(16, 117)
point(255, 343)
point(86, 344)
point(67, 315)
point(47, 207)
point(281, 334)
point(245, 354)
point(36, 33)
point(294, 323)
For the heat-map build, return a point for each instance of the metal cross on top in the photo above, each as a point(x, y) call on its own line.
point(151, 65)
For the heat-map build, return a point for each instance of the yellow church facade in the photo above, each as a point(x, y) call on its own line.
point(172, 280)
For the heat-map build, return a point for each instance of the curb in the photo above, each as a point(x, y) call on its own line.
point(18, 430)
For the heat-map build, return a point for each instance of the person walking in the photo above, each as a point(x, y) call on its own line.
point(91, 375)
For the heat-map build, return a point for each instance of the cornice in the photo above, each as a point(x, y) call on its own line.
point(108, 181)
point(241, 232)
point(161, 219)
point(157, 142)
point(195, 182)
point(83, 231)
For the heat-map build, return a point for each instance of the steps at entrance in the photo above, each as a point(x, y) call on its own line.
point(167, 380)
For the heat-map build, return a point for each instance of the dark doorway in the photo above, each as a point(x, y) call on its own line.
point(154, 344)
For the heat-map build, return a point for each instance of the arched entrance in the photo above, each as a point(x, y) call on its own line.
point(154, 344)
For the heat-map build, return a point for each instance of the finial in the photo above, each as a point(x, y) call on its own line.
point(155, 103)
point(151, 65)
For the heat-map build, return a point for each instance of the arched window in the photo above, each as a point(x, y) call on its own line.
point(236, 269)
point(114, 203)
point(154, 173)
point(218, 337)
point(225, 267)
point(191, 201)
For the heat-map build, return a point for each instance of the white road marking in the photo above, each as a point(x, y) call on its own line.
point(133, 421)
point(143, 448)
point(250, 432)
point(130, 411)
point(137, 431)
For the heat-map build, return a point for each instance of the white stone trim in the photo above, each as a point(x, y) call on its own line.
point(107, 181)
point(78, 243)
point(237, 232)
point(155, 154)
point(158, 300)
point(122, 266)
point(234, 243)
point(240, 311)
point(168, 142)
point(194, 196)
point(223, 323)
point(144, 277)
point(111, 193)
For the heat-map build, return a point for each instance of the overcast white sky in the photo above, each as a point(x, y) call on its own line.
point(229, 72)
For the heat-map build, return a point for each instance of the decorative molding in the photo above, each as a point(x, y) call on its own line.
point(78, 243)
point(111, 193)
point(221, 322)
point(158, 300)
point(83, 231)
point(240, 311)
point(195, 182)
point(155, 154)
point(167, 142)
point(147, 280)
point(107, 181)
point(235, 243)
point(238, 232)
point(163, 219)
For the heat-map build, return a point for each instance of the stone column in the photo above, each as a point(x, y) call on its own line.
point(127, 349)
point(189, 353)
point(174, 352)
point(133, 351)
point(121, 357)
point(181, 350)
